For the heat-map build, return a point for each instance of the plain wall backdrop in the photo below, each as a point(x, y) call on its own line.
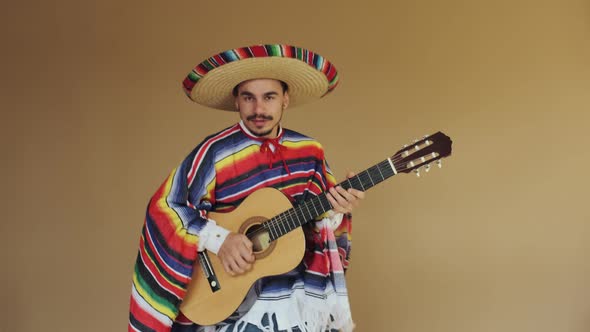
point(94, 118)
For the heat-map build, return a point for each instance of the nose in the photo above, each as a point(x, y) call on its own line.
point(258, 108)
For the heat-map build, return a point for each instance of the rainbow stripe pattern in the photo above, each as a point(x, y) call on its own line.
point(218, 175)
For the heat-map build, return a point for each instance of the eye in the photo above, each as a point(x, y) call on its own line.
point(270, 97)
point(248, 98)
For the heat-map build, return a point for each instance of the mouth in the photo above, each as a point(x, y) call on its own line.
point(259, 121)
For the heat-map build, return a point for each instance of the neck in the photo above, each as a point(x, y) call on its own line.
point(274, 135)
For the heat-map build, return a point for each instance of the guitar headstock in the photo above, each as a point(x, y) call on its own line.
point(422, 153)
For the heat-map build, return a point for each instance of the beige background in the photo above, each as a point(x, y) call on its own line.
point(93, 119)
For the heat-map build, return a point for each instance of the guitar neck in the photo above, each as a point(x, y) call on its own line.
point(312, 208)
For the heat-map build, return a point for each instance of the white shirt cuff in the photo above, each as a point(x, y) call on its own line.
point(212, 236)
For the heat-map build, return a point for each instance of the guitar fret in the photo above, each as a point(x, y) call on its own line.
point(363, 179)
point(360, 183)
point(295, 218)
point(320, 206)
point(297, 215)
point(282, 225)
point(289, 220)
point(310, 214)
point(384, 171)
point(379, 169)
point(316, 210)
point(287, 224)
point(369, 175)
point(349, 184)
point(323, 199)
point(272, 228)
point(267, 226)
point(294, 215)
point(378, 172)
point(278, 228)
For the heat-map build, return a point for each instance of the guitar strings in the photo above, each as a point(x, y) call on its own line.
point(275, 223)
point(317, 203)
point(278, 221)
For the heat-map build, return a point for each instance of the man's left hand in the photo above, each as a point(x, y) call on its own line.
point(343, 201)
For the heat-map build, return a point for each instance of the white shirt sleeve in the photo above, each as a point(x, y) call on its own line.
point(212, 236)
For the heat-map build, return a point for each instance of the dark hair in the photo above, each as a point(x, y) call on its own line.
point(283, 85)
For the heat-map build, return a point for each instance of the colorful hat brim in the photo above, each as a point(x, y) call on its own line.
point(308, 75)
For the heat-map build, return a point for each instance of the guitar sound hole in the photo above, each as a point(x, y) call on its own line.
point(259, 237)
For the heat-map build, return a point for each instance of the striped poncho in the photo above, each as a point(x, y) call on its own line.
point(217, 176)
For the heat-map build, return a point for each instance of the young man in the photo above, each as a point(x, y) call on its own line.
point(260, 82)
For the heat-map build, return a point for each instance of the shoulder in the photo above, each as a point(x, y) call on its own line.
point(296, 140)
point(294, 136)
point(215, 142)
point(221, 136)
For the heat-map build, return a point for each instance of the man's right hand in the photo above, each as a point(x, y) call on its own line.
point(236, 254)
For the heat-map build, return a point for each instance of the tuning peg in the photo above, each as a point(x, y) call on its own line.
point(416, 145)
point(417, 171)
point(427, 168)
point(406, 153)
point(439, 163)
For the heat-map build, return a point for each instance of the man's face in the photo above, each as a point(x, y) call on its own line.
point(261, 103)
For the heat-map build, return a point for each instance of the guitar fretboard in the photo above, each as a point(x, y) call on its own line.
point(312, 208)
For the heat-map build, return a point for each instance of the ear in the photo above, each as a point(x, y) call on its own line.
point(286, 100)
point(236, 104)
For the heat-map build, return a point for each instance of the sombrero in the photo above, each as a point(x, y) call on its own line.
point(308, 75)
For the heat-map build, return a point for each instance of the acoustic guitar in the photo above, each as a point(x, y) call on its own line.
point(269, 220)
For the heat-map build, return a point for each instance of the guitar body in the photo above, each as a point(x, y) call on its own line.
point(205, 307)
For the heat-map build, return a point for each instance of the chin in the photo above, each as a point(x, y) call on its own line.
point(261, 133)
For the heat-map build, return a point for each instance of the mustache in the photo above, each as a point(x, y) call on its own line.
point(265, 117)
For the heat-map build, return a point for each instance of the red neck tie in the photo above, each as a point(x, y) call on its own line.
point(278, 151)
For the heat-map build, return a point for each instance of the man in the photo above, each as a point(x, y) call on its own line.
point(259, 82)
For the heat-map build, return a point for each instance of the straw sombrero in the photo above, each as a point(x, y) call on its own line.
point(308, 75)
